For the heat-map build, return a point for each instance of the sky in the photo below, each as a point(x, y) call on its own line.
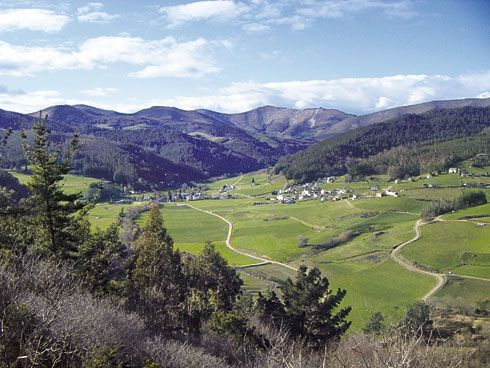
point(358, 56)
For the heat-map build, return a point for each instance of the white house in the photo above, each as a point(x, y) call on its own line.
point(452, 170)
point(391, 193)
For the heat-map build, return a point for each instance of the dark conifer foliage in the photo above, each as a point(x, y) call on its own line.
point(308, 308)
point(55, 214)
point(334, 156)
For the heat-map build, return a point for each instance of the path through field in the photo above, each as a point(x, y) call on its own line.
point(315, 227)
point(238, 180)
point(395, 255)
point(228, 243)
point(440, 277)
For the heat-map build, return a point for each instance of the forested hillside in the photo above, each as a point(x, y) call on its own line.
point(334, 156)
point(412, 160)
point(164, 146)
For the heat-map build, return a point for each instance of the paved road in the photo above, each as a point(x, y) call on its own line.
point(228, 242)
point(395, 253)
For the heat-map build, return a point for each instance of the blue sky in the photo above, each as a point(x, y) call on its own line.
point(234, 55)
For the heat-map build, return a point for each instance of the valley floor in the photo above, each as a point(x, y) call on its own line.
point(377, 248)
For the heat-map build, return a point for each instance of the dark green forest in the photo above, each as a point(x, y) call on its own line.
point(349, 151)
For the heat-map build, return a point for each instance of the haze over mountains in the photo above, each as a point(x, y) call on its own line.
point(167, 145)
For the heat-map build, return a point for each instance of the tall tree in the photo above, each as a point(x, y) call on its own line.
point(157, 284)
point(56, 215)
point(214, 286)
point(100, 260)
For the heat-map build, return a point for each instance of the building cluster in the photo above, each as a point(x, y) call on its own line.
point(312, 191)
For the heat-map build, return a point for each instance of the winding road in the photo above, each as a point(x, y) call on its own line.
point(228, 243)
point(440, 277)
point(396, 256)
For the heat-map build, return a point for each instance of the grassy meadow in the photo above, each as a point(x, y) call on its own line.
point(461, 248)
point(71, 183)
point(361, 265)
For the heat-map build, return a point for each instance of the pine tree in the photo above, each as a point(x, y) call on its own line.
point(214, 286)
point(376, 324)
point(157, 285)
point(56, 216)
point(309, 308)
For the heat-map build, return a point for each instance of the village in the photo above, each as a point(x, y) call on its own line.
point(291, 193)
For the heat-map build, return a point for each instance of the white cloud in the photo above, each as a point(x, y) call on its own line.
point(341, 8)
point(384, 103)
point(355, 95)
point(261, 15)
point(159, 58)
point(98, 91)
point(202, 10)
point(255, 27)
point(32, 19)
point(91, 13)
point(358, 95)
point(27, 102)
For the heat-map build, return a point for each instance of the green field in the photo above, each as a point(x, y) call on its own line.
point(71, 183)
point(361, 265)
point(264, 184)
point(464, 292)
point(105, 214)
point(478, 214)
point(376, 284)
point(458, 247)
point(190, 229)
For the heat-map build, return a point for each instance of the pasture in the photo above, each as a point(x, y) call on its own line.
point(359, 264)
point(71, 183)
point(459, 247)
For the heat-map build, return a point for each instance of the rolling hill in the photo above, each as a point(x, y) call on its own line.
point(172, 145)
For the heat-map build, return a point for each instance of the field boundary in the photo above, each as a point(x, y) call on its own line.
point(396, 256)
point(228, 242)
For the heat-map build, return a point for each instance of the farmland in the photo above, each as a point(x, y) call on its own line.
point(71, 183)
point(461, 248)
point(361, 264)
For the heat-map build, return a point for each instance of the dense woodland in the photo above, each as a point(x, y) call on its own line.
point(405, 161)
point(338, 155)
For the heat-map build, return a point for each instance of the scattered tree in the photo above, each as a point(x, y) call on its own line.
point(308, 308)
point(375, 324)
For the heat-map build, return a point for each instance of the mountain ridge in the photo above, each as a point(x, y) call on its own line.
point(201, 143)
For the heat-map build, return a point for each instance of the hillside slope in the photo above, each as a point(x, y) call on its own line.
point(334, 156)
point(201, 143)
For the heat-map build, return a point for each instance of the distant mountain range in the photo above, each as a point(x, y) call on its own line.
point(165, 145)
